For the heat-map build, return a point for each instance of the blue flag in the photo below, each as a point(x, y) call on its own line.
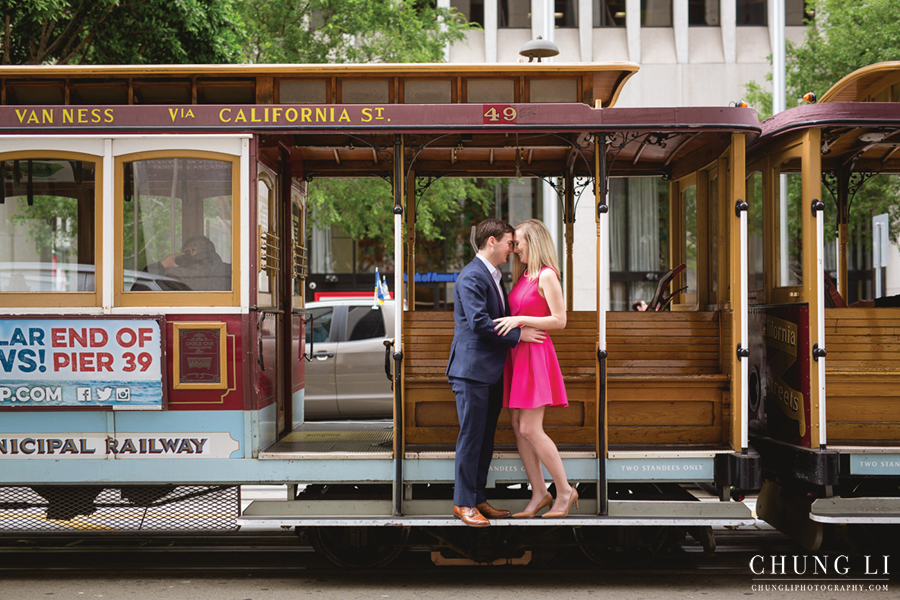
point(381, 288)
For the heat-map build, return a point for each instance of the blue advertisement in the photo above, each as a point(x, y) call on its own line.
point(113, 363)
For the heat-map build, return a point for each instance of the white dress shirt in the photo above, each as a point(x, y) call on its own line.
point(497, 275)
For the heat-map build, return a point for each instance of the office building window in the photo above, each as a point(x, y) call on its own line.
point(565, 14)
point(514, 14)
point(609, 13)
point(472, 10)
point(796, 11)
point(656, 13)
point(751, 13)
point(703, 13)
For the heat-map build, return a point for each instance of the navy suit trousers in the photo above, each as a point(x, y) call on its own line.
point(478, 406)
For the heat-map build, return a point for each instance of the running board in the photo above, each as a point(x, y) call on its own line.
point(856, 511)
point(435, 513)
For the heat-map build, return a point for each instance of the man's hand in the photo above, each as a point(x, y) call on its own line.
point(532, 335)
point(169, 261)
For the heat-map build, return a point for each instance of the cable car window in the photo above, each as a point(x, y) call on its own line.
point(689, 241)
point(789, 226)
point(47, 225)
point(178, 225)
point(755, 238)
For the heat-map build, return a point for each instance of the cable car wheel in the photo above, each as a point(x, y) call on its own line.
point(623, 546)
point(359, 547)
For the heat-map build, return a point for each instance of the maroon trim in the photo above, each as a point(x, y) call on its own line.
point(355, 117)
point(852, 114)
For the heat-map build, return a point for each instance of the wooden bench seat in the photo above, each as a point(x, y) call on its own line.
point(664, 382)
point(862, 374)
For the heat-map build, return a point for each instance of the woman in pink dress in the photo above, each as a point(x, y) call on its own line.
point(532, 379)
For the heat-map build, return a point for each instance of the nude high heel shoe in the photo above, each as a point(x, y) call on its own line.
point(530, 514)
point(559, 514)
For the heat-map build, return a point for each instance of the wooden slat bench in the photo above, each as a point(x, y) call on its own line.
point(664, 381)
point(431, 407)
point(862, 374)
point(665, 384)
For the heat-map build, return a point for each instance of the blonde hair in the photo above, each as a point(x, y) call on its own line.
point(541, 251)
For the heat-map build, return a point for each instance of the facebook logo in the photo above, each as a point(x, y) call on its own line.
point(83, 394)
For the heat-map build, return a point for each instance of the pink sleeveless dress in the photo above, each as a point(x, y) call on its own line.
point(531, 377)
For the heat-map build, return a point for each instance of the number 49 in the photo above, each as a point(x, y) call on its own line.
point(493, 115)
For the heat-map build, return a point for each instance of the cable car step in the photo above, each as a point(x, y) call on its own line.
point(438, 513)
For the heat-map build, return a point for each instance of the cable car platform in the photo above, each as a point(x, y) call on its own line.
point(439, 513)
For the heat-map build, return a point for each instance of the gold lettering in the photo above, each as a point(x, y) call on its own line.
point(378, 111)
point(366, 115)
point(109, 115)
point(253, 118)
point(68, 115)
point(21, 115)
point(266, 115)
point(276, 112)
point(82, 115)
point(344, 116)
point(95, 115)
point(173, 112)
point(222, 115)
point(47, 115)
point(321, 114)
point(240, 116)
point(331, 120)
point(33, 118)
point(305, 115)
point(289, 116)
point(190, 114)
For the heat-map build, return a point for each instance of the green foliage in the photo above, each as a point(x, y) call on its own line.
point(51, 224)
point(845, 36)
point(349, 31)
point(363, 31)
point(62, 32)
point(364, 208)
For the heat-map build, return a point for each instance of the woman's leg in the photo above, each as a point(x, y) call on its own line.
point(531, 463)
point(531, 427)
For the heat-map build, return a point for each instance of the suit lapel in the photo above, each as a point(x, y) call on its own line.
point(493, 286)
point(505, 299)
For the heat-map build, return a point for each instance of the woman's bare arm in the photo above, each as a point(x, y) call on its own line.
point(550, 288)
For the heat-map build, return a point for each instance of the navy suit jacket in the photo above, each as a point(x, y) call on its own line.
point(478, 353)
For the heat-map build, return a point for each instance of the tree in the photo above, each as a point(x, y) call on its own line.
point(844, 37)
point(349, 31)
point(365, 31)
point(36, 32)
point(362, 209)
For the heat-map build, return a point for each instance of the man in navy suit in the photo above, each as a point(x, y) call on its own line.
point(475, 368)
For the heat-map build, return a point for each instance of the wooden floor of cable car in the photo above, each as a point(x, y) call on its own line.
point(335, 439)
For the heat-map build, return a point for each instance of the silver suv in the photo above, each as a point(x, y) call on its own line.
point(345, 378)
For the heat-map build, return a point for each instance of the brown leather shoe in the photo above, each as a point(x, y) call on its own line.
point(470, 516)
point(490, 512)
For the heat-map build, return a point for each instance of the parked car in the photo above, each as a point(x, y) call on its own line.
point(345, 378)
point(45, 277)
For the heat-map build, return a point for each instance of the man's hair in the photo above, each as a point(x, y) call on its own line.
point(636, 304)
point(491, 228)
point(200, 242)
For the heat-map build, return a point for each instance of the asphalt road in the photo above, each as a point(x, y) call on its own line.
point(275, 566)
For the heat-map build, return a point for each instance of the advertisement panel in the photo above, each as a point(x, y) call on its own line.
point(111, 363)
point(779, 373)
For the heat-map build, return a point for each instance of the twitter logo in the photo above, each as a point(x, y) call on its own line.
point(104, 393)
